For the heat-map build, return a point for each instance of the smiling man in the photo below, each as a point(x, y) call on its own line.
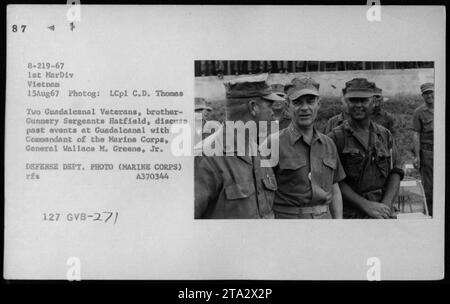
point(369, 156)
point(309, 169)
point(423, 141)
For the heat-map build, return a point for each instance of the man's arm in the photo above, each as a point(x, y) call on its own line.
point(416, 142)
point(396, 173)
point(336, 202)
point(206, 185)
point(339, 175)
point(417, 127)
point(391, 189)
point(373, 209)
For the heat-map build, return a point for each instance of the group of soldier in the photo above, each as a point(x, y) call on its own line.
point(352, 170)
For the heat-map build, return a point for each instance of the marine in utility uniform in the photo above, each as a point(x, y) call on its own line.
point(232, 184)
point(308, 170)
point(423, 141)
point(378, 115)
point(369, 157)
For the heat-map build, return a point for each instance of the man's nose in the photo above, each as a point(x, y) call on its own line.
point(303, 107)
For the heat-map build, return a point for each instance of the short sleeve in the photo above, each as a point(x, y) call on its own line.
point(207, 184)
point(396, 160)
point(335, 140)
point(339, 173)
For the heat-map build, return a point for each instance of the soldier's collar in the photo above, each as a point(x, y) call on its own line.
point(295, 135)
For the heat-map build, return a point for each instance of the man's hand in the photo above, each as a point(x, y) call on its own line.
point(416, 162)
point(377, 210)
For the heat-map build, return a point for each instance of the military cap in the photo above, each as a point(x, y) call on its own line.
point(379, 92)
point(288, 87)
point(303, 86)
point(248, 87)
point(277, 87)
point(278, 105)
point(427, 87)
point(359, 87)
point(200, 104)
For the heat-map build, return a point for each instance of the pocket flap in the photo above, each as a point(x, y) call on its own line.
point(292, 163)
point(270, 183)
point(239, 191)
point(383, 153)
point(330, 162)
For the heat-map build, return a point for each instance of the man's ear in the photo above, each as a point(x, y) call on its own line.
point(252, 107)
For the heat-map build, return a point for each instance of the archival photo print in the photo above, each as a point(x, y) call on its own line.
point(313, 139)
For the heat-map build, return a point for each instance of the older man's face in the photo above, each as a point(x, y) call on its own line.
point(304, 110)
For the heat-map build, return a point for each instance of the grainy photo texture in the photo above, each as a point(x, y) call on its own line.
point(314, 139)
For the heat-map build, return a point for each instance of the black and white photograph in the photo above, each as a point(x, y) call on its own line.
point(354, 139)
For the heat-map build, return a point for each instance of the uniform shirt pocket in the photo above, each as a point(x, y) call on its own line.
point(352, 160)
point(270, 183)
point(293, 163)
point(329, 165)
point(239, 190)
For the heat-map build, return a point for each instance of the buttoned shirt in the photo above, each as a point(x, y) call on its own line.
point(423, 123)
point(306, 171)
point(233, 186)
point(366, 164)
